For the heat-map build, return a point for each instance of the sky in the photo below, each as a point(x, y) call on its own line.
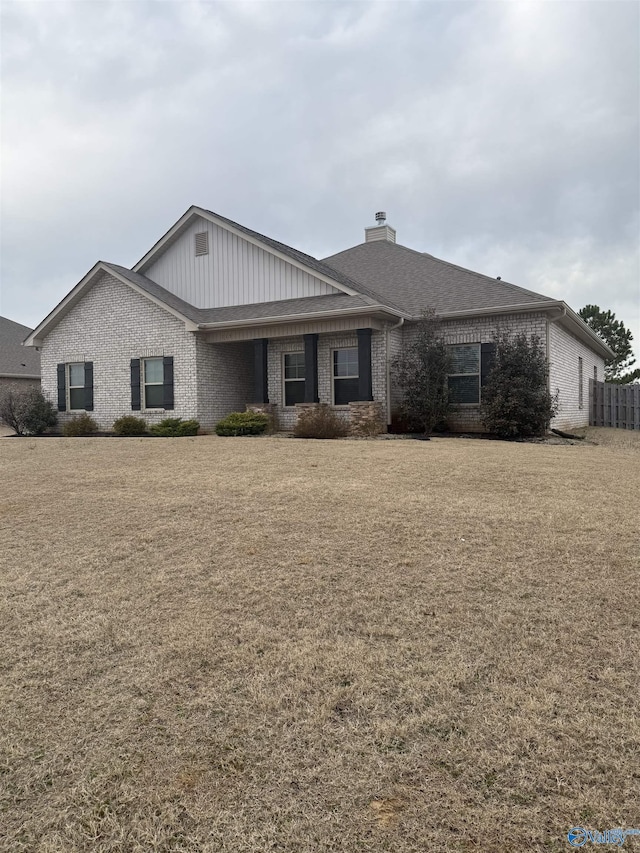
point(501, 136)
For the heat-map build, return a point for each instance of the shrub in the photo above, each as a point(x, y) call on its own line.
point(130, 425)
point(320, 422)
point(515, 398)
point(243, 423)
point(175, 427)
point(79, 425)
point(26, 410)
point(421, 374)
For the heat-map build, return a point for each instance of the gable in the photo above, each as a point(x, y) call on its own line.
point(234, 271)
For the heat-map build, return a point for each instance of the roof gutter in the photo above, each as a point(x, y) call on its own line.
point(558, 306)
point(292, 318)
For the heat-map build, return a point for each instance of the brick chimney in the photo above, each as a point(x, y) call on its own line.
point(380, 231)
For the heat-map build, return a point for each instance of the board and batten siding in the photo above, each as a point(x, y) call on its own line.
point(233, 272)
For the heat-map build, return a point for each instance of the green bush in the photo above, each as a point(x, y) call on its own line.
point(175, 428)
point(420, 371)
point(79, 425)
point(516, 402)
point(243, 423)
point(320, 422)
point(26, 410)
point(130, 425)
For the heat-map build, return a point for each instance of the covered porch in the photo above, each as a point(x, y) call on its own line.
point(281, 368)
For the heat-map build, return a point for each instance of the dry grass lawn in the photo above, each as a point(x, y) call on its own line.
point(277, 645)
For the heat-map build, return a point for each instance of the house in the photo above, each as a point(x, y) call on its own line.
point(216, 317)
point(19, 367)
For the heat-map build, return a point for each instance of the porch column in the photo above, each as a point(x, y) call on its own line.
point(311, 368)
point(260, 374)
point(365, 386)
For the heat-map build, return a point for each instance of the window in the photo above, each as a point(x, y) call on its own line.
point(464, 379)
point(75, 384)
point(293, 378)
point(580, 400)
point(345, 376)
point(153, 381)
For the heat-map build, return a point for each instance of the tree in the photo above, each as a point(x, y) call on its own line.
point(26, 410)
point(421, 374)
point(616, 336)
point(515, 398)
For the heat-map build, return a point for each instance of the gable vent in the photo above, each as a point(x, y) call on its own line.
point(202, 243)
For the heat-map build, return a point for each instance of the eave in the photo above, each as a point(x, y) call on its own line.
point(36, 338)
point(380, 311)
point(558, 309)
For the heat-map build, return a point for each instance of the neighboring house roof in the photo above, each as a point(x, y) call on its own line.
point(16, 361)
point(417, 281)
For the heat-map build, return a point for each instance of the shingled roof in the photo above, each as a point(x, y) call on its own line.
point(17, 361)
point(416, 281)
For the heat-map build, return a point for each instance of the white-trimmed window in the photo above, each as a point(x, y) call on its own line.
point(464, 378)
point(153, 383)
point(345, 376)
point(75, 386)
point(293, 372)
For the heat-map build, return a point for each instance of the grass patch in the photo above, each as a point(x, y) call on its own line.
point(263, 644)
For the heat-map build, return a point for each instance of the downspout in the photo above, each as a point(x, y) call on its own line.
point(386, 341)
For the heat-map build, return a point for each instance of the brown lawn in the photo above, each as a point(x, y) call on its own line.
point(277, 645)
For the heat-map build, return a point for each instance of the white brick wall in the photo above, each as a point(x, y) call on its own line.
point(112, 324)
point(479, 330)
point(225, 380)
point(109, 326)
point(564, 352)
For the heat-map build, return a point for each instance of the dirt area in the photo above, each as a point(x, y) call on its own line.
point(272, 644)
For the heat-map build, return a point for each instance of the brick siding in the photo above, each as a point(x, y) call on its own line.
point(109, 326)
point(565, 350)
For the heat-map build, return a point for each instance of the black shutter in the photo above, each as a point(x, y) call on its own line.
point(135, 384)
point(167, 397)
point(62, 388)
point(310, 368)
point(365, 388)
point(88, 386)
point(487, 361)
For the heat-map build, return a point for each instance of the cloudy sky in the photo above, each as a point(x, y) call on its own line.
point(502, 136)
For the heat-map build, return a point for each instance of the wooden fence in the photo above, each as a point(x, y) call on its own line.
point(614, 405)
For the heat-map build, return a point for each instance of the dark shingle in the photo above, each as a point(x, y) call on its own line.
point(16, 360)
point(417, 281)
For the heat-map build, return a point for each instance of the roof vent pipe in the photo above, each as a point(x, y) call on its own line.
point(381, 217)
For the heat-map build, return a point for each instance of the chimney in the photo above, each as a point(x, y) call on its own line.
point(380, 231)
